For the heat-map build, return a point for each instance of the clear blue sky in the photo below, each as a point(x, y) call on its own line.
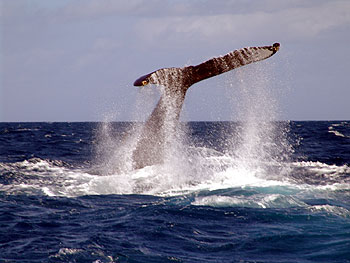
point(76, 60)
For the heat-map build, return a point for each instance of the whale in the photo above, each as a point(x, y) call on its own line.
point(152, 140)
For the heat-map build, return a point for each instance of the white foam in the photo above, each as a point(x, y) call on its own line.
point(333, 210)
point(226, 183)
point(69, 251)
point(53, 178)
point(333, 173)
point(254, 201)
point(336, 133)
point(333, 129)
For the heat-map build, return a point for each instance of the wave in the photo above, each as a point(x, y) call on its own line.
point(222, 182)
point(216, 172)
point(255, 201)
point(340, 129)
point(320, 174)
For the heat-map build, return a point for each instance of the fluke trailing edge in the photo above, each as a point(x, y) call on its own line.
point(176, 81)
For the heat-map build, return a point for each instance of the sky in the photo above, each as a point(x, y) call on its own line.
point(76, 60)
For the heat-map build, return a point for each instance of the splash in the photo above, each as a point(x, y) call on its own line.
point(116, 148)
point(260, 144)
point(256, 150)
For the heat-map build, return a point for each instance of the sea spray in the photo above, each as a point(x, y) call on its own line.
point(260, 142)
point(115, 148)
point(115, 142)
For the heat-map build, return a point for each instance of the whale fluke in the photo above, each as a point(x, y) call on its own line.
point(176, 81)
point(187, 76)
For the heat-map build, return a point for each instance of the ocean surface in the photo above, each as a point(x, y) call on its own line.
point(226, 192)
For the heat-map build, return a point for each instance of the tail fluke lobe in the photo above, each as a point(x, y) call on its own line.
point(232, 60)
point(143, 80)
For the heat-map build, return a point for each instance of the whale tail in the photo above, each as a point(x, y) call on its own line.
point(150, 148)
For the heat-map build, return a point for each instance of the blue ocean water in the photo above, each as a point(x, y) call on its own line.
point(276, 192)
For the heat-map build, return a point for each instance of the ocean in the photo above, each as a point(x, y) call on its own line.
point(226, 192)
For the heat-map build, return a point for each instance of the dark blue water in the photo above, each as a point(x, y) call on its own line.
point(67, 195)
